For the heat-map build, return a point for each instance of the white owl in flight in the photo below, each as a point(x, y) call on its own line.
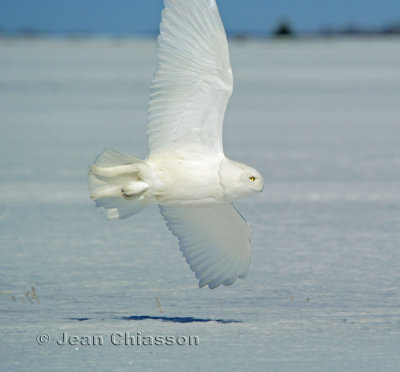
point(186, 172)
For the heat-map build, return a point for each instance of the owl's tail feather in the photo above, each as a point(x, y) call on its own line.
point(117, 183)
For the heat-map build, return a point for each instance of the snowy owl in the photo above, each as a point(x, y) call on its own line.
point(186, 172)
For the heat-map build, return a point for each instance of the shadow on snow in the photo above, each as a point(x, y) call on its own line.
point(175, 319)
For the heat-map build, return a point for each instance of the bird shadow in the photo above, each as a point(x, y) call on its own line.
point(170, 319)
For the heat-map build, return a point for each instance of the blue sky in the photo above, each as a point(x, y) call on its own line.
point(143, 16)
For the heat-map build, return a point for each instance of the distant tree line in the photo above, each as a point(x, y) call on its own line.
point(283, 29)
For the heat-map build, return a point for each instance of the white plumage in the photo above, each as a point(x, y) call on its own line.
point(193, 81)
point(186, 172)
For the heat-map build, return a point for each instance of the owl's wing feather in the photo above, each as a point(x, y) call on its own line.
point(215, 240)
point(193, 81)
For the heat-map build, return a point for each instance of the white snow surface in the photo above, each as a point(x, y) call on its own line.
point(318, 119)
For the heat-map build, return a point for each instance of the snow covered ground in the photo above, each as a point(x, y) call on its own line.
point(319, 119)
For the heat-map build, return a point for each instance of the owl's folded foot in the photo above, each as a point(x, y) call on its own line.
point(134, 189)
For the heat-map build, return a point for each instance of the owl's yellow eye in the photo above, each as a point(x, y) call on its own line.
point(252, 179)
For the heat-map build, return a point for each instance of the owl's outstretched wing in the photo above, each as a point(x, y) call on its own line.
point(193, 81)
point(214, 239)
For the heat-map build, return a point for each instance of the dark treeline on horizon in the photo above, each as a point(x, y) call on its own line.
point(282, 29)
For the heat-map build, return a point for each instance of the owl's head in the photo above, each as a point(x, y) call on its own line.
point(239, 180)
